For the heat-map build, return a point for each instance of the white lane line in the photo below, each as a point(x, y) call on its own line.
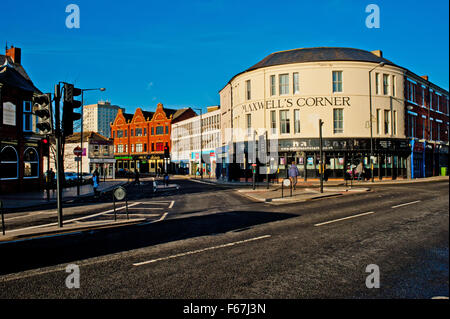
point(417, 201)
point(201, 250)
point(337, 220)
point(163, 217)
point(73, 220)
point(146, 208)
point(171, 204)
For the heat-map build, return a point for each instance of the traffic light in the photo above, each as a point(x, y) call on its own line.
point(69, 103)
point(45, 147)
point(166, 152)
point(42, 108)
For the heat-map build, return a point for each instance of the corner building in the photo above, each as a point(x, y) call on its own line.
point(286, 94)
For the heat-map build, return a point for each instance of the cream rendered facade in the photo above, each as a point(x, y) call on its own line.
point(285, 99)
point(313, 101)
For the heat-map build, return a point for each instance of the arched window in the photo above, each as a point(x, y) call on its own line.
point(31, 163)
point(9, 163)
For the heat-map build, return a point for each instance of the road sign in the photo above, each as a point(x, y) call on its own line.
point(77, 151)
point(287, 182)
point(120, 193)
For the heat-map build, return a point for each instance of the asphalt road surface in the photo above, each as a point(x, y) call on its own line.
point(214, 243)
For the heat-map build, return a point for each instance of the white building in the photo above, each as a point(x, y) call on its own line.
point(97, 117)
point(188, 141)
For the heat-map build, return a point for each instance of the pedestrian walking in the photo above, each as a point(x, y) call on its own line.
point(360, 170)
point(95, 182)
point(293, 174)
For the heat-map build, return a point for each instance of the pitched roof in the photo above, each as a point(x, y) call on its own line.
point(318, 54)
point(75, 137)
point(14, 74)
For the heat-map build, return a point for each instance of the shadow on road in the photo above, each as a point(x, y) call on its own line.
point(53, 250)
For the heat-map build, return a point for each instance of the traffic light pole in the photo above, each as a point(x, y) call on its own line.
point(60, 178)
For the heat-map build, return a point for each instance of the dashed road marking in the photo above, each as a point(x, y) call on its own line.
point(340, 219)
point(417, 201)
point(201, 250)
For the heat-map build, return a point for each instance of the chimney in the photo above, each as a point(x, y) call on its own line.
point(424, 77)
point(378, 53)
point(15, 54)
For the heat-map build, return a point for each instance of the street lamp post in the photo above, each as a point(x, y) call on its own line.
point(381, 64)
point(80, 177)
point(201, 142)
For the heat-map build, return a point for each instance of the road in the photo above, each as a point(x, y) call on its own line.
point(214, 243)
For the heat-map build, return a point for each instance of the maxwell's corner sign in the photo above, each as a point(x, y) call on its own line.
point(297, 102)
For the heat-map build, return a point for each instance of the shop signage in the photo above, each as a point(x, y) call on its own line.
point(297, 102)
point(9, 113)
point(123, 157)
point(342, 144)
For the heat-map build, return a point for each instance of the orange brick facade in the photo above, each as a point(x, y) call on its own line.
point(139, 140)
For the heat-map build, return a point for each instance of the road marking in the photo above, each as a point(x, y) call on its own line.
point(73, 220)
point(405, 204)
point(337, 220)
point(171, 204)
point(202, 182)
point(201, 250)
point(163, 216)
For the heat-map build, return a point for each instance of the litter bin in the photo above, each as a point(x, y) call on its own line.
point(443, 171)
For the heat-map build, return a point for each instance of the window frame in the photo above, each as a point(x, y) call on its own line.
point(10, 162)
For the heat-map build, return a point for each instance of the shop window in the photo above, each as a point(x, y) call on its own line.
point(31, 163)
point(9, 163)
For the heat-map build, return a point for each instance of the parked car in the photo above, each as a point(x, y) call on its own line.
point(87, 178)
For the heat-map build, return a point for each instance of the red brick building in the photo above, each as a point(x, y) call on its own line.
point(140, 138)
point(427, 125)
point(21, 164)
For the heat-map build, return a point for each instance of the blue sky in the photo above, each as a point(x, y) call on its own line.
point(181, 53)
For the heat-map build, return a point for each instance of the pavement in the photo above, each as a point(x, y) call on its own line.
point(28, 200)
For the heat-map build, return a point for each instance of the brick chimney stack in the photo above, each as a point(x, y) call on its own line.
point(15, 54)
point(424, 77)
point(378, 53)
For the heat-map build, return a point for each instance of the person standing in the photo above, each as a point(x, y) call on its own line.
point(293, 174)
point(95, 182)
point(360, 170)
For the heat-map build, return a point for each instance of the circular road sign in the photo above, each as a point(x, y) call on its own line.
point(120, 193)
point(287, 182)
point(77, 151)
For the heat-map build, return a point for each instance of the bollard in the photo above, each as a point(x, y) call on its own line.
point(114, 206)
point(3, 218)
point(126, 205)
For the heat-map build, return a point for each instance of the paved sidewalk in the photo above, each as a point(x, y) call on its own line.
point(54, 230)
point(316, 182)
point(278, 196)
point(33, 199)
